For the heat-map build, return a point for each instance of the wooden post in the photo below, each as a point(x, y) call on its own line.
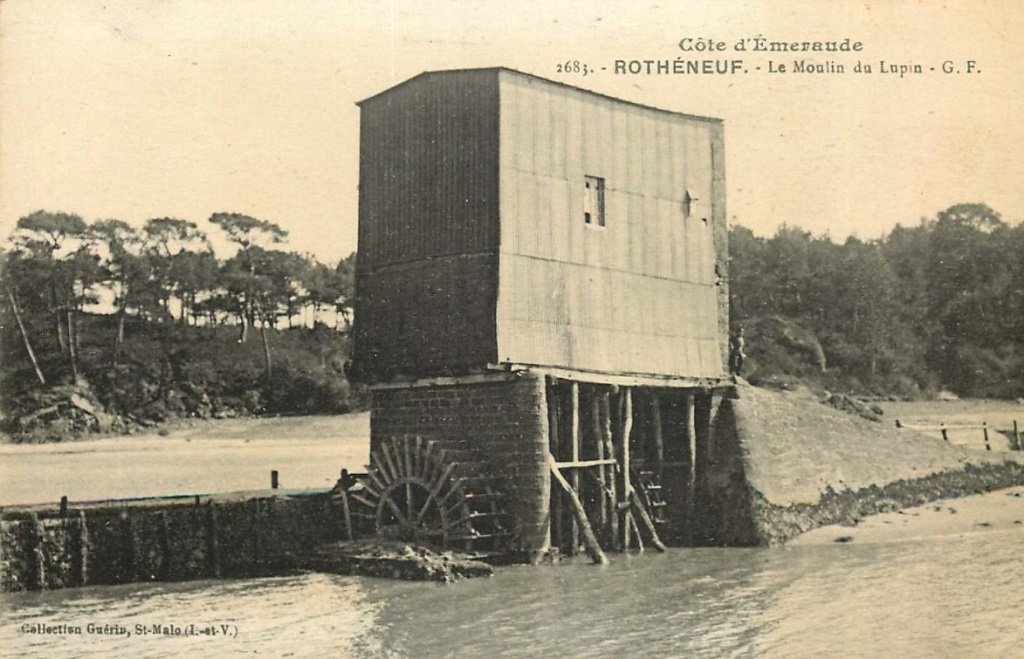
point(574, 535)
point(554, 445)
point(590, 540)
point(942, 428)
point(256, 530)
point(984, 430)
point(636, 533)
point(659, 438)
point(627, 485)
point(129, 548)
point(613, 497)
point(212, 548)
point(273, 479)
point(703, 410)
point(164, 538)
point(36, 558)
point(595, 409)
point(691, 475)
point(82, 557)
point(1016, 436)
point(64, 506)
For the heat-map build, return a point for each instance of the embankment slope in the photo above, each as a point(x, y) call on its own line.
point(783, 463)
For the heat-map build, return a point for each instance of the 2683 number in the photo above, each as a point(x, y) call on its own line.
point(573, 66)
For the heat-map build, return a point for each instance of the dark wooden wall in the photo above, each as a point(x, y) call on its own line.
point(428, 169)
point(427, 272)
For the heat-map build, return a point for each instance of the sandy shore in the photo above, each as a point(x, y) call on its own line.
point(1000, 511)
point(198, 458)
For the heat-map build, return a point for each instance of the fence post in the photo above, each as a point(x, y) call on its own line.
point(984, 429)
point(1016, 436)
point(273, 479)
point(942, 427)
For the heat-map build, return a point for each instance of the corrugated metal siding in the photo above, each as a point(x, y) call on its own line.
point(640, 295)
point(428, 169)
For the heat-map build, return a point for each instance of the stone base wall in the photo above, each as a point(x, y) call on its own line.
point(494, 428)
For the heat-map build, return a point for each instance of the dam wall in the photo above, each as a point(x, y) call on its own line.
point(162, 539)
point(782, 463)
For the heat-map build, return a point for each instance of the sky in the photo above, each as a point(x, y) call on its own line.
point(183, 108)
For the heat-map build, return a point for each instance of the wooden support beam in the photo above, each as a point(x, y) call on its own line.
point(595, 414)
point(691, 448)
point(627, 486)
point(590, 540)
point(659, 438)
point(609, 447)
point(636, 533)
point(603, 378)
point(554, 442)
point(574, 392)
point(584, 464)
point(703, 412)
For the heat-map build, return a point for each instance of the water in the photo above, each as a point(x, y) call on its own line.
point(953, 596)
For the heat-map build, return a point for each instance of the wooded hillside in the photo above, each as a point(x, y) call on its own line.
point(105, 326)
point(939, 305)
point(108, 325)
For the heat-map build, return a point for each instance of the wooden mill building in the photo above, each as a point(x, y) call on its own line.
point(542, 278)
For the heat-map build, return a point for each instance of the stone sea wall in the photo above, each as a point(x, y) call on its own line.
point(783, 463)
point(162, 540)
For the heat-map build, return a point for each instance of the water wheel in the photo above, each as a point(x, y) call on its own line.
point(410, 494)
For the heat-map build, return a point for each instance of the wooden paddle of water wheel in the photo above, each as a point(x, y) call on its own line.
point(410, 493)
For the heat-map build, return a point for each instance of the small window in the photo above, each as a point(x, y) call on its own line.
point(593, 201)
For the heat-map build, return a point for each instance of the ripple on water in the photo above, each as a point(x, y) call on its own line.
point(944, 597)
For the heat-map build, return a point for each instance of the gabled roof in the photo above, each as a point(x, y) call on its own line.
point(535, 78)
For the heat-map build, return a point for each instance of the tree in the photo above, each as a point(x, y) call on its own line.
point(791, 274)
point(251, 235)
point(331, 288)
point(345, 288)
point(193, 274)
point(58, 244)
point(167, 242)
point(866, 300)
point(124, 268)
point(970, 288)
point(11, 271)
point(747, 274)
